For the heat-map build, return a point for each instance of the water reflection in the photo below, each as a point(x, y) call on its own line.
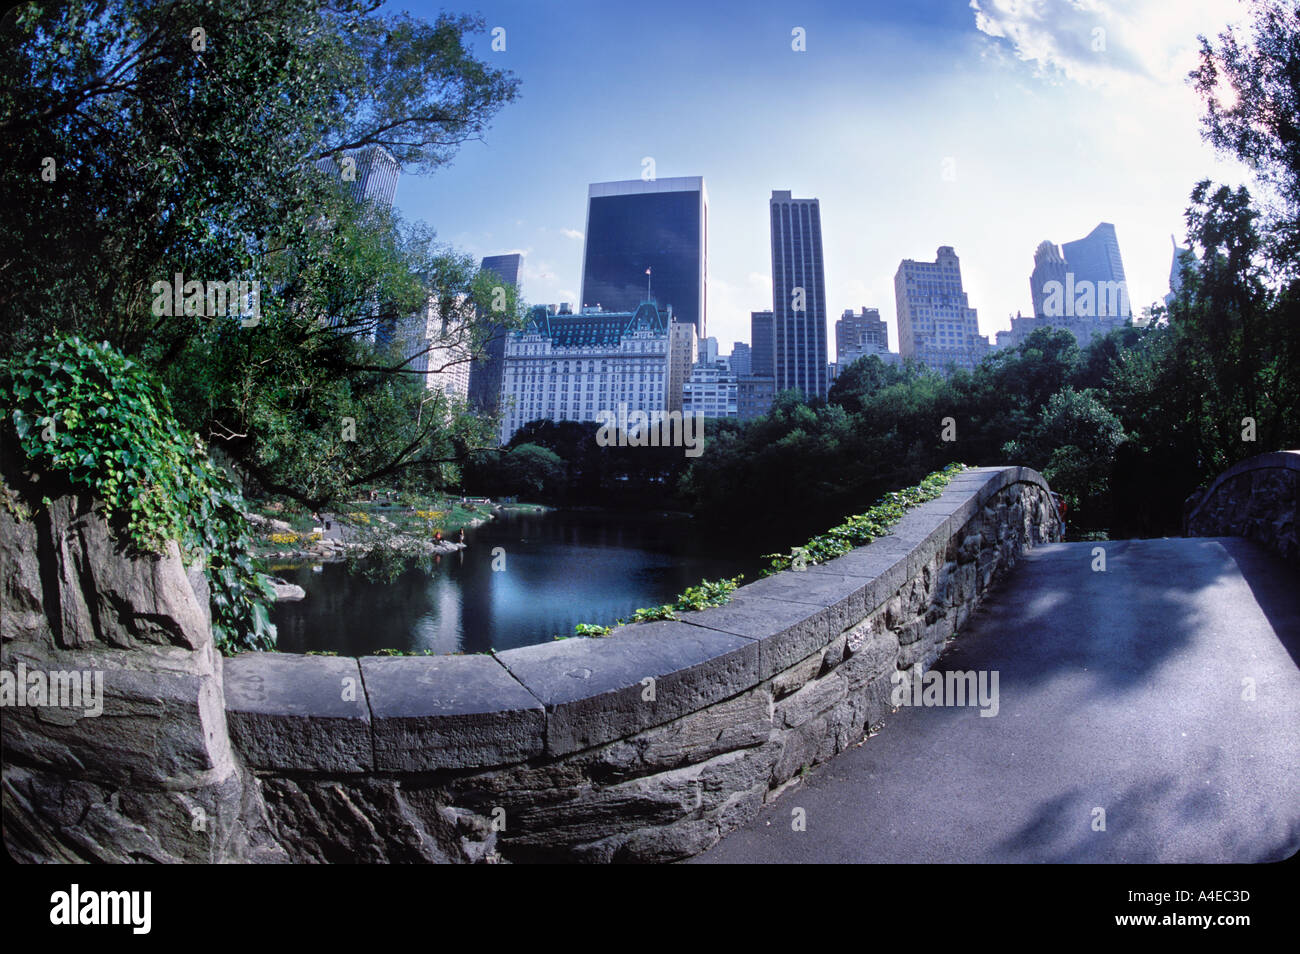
point(560, 568)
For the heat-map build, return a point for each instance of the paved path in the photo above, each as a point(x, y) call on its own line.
point(1119, 690)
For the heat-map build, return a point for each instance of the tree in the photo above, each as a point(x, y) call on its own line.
point(530, 471)
point(865, 377)
point(144, 140)
point(1073, 443)
point(1251, 88)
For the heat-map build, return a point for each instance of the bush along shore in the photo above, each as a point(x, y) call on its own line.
point(386, 521)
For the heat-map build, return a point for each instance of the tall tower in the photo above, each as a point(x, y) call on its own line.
point(798, 295)
point(1095, 258)
point(936, 324)
point(661, 225)
point(485, 371)
point(763, 358)
point(1049, 266)
point(370, 173)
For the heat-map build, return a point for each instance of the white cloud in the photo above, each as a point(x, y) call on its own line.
point(1115, 45)
point(571, 233)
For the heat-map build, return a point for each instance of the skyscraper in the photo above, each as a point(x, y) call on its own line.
point(485, 371)
point(798, 295)
point(708, 350)
point(1079, 288)
point(1095, 258)
point(1049, 266)
point(370, 173)
point(936, 324)
point(740, 358)
point(659, 225)
point(763, 357)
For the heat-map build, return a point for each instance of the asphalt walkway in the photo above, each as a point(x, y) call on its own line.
point(1164, 692)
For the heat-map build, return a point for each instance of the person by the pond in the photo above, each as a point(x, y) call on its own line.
point(462, 535)
point(437, 536)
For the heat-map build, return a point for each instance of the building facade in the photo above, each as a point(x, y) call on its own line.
point(754, 396)
point(485, 370)
point(369, 173)
point(571, 367)
point(1049, 266)
point(656, 230)
point(684, 350)
point(860, 333)
point(708, 350)
point(438, 347)
point(762, 358)
point(739, 359)
point(712, 391)
point(798, 295)
point(936, 325)
point(1095, 258)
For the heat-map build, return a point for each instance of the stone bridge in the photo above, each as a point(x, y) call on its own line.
point(1143, 707)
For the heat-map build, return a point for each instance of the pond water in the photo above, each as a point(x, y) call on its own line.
point(559, 568)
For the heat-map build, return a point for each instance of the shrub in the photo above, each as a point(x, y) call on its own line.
point(87, 413)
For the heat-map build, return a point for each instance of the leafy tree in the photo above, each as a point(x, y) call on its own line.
point(143, 139)
point(1251, 88)
point(530, 471)
point(1073, 443)
point(865, 377)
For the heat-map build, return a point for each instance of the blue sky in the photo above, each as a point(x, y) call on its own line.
point(988, 126)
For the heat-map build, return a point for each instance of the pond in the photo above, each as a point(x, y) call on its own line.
point(554, 569)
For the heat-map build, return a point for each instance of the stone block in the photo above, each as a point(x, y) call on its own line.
point(432, 712)
point(295, 713)
point(596, 690)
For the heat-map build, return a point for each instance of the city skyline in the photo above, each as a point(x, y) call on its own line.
point(1044, 138)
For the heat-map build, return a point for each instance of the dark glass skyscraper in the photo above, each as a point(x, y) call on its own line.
point(798, 295)
point(762, 361)
point(485, 372)
point(661, 225)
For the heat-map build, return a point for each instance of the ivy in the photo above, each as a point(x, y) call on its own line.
point(88, 413)
point(861, 529)
point(708, 594)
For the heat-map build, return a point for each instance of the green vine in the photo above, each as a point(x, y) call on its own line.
point(709, 593)
point(90, 414)
point(861, 529)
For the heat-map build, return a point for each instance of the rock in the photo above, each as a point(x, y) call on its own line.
point(286, 591)
point(145, 773)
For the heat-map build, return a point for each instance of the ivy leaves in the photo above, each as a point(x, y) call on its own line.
point(88, 413)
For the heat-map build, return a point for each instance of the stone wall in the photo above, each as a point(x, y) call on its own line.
point(153, 777)
point(646, 745)
point(1255, 499)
